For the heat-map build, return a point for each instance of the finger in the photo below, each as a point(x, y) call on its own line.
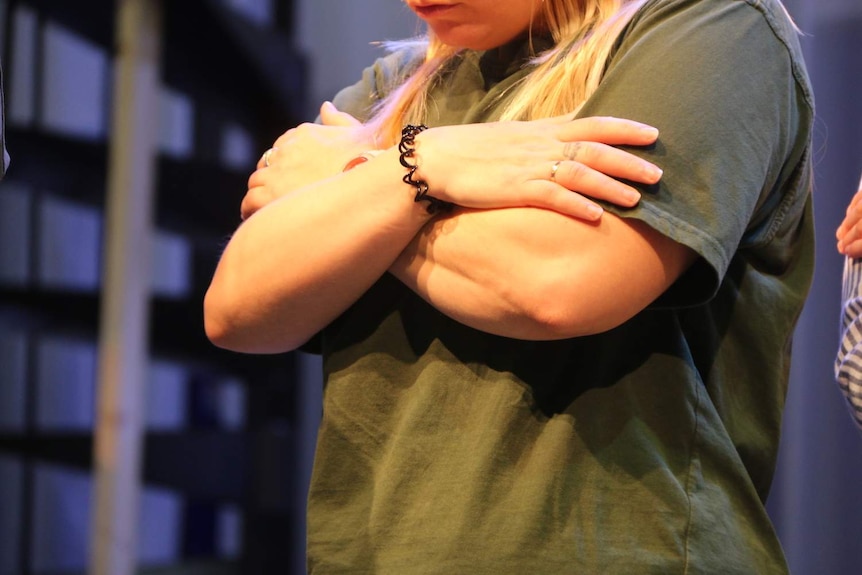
point(550, 196)
point(246, 207)
point(267, 158)
point(252, 202)
point(851, 235)
point(852, 217)
point(612, 161)
point(608, 130)
point(842, 230)
point(853, 249)
point(331, 116)
point(256, 178)
point(578, 177)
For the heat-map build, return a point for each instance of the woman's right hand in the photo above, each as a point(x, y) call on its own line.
point(304, 155)
point(555, 163)
point(849, 233)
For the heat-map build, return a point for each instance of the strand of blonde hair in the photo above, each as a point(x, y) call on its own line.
point(584, 34)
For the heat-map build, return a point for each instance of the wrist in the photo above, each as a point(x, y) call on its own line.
point(407, 159)
point(392, 193)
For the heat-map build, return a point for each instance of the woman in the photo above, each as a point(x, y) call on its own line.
point(522, 384)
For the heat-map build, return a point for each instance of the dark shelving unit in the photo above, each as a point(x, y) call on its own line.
point(230, 68)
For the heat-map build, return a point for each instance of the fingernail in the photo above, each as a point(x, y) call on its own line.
point(632, 196)
point(594, 212)
point(649, 131)
point(654, 173)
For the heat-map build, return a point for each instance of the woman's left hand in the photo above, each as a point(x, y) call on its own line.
point(558, 163)
point(304, 155)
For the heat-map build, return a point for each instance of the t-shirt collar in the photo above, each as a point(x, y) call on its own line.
point(499, 63)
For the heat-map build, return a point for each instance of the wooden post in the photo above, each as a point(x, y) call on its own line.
point(124, 324)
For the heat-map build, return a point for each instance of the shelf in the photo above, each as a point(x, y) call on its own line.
point(199, 198)
point(249, 56)
point(53, 311)
point(194, 568)
point(187, 567)
point(204, 465)
point(194, 197)
point(96, 23)
point(208, 465)
point(234, 60)
point(176, 331)
point(66, 449)
point(233, 78)
point(78, 166)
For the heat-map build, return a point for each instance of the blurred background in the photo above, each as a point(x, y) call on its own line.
point(128, 444)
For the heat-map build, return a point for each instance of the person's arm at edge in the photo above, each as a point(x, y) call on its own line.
point(848, 361)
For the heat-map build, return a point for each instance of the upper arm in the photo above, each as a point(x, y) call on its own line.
point(734, 113)
point(613, 270)
point(724, 85)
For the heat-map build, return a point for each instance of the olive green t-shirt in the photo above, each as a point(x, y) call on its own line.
point(649, 448)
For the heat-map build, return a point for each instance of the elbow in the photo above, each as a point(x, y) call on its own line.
point(230, 325)
point(554, 322)
point(217, 333)
point(539, 312)
point(217, 323)
point(562, 311)
point(551, 321)
point(223, 323)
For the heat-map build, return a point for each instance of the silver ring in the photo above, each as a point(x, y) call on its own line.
point(266, 156)
point(554, 169)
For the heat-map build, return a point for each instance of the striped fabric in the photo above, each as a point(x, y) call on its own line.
point(848, 363)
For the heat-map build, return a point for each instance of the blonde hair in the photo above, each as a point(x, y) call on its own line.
point(583, 32)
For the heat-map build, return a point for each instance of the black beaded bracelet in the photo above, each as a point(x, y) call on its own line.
point(405, 146)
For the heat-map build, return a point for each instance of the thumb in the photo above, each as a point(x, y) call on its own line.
point(331, 116)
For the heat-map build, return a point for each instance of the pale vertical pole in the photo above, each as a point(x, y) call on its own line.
point(124, 325)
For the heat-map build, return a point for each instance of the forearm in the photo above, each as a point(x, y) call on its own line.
point(470, 277)
point(537, 275)
point(302, 260)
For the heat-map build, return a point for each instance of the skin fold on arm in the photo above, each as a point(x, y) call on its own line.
point(536, 274)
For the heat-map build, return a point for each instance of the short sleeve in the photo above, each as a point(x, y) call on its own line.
point(377, 81)
point(723, 83)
